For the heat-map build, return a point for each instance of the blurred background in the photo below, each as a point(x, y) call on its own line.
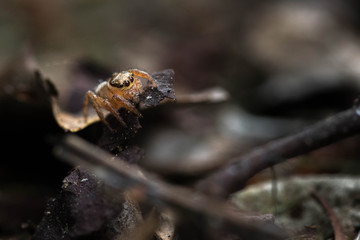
point(265, 54)
point(271, 57)
point(285, 64)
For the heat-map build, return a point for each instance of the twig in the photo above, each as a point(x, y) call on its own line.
point(211, 95)
point(338, 231)
point(77, 151)
point(234, 176)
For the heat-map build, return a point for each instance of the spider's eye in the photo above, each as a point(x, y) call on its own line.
point(127, 83)
point(131, 78)
point(115, 83)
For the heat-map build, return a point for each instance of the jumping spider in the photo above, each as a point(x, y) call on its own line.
point(122, 90)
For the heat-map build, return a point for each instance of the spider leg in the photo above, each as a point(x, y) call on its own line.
point(97, 103)
point(142, 74)
point(113, 112)
point(86, 104)
point(122, 102)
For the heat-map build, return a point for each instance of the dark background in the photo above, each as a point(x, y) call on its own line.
point(286, 64)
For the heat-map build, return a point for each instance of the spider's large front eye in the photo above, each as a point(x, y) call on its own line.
point(116, 83)
point(127, 83)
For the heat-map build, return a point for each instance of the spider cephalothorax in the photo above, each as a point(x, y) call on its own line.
point(121, 80)
point(122, 90)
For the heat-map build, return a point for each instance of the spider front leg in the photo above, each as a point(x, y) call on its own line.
point(143, 74)
point(88, 95)
point(123, 103)
point(98, 103)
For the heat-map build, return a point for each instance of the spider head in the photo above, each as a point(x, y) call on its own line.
point(122, 80)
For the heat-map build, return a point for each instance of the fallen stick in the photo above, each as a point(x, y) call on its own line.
point(233, 177)
point(192, 204)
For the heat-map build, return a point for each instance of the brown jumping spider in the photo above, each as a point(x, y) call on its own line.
point(122, 90)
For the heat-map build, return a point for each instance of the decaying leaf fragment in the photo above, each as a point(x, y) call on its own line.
point(86, 206)
point(150, 97)
point(80, 209)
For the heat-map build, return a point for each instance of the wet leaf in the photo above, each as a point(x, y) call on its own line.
point(153, 96)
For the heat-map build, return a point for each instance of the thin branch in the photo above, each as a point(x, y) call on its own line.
point(338, 231)
point(234, 176)
point(120, 174)
point(211, 95)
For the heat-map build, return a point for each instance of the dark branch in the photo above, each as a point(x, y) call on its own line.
point(234, 176)
point(194, 205)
